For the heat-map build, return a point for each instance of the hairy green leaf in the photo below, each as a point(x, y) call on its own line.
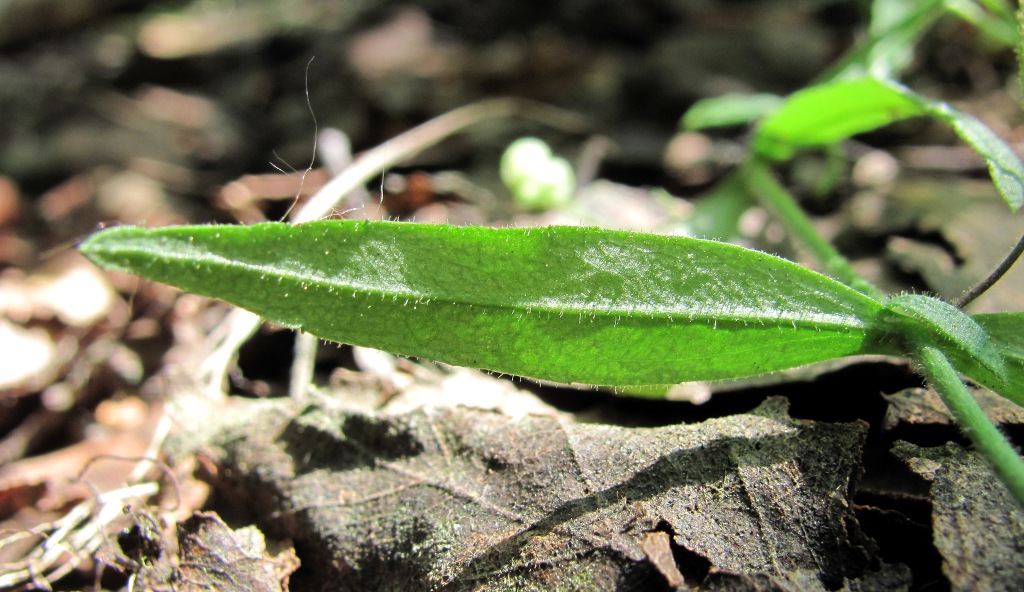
point(560, 303)
point(988, 349)
point(928, 319)
point(733, 109)
point(1006, 331)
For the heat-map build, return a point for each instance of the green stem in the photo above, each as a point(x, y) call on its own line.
point(908, 29)
point(986, 437)
point(999, 8)
point(762, 184)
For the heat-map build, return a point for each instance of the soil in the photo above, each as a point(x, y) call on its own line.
point(122, 447)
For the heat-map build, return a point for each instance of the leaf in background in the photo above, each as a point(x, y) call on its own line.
point(1020, 50)
point(997, 23)
point(966, 494)
point(1003, 164)
point(827, 113)
point(213, 556)
point(895, 29)
point(561, 303)
point(831, 112)
point(727, 110)
point(716, 215)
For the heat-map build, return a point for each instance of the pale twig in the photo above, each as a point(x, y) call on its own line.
point(336, 153)
point(423, 136)
point(64, 543)
point(239, 325)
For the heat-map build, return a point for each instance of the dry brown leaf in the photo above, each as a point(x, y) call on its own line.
point(458, 499)
point(214, 557)
point(921, 406)
point(978, 528)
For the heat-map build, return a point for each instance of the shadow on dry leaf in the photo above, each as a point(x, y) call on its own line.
point(459, 499)
point(978, 528)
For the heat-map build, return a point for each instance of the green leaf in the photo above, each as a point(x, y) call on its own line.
point(998, 25)
point(989, 349)
point(716, 215)
point(895, 29)
point(827, 113)
point(1006, 331)
point(928, 319)
point(1003, 164)
point(831, 112)
point(561, 303)
point(727, 110)
point(1019, 51)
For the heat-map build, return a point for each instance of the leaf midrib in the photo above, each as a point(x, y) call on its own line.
point(819, 321)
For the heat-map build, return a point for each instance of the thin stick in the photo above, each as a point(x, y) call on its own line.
point(997, 274)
